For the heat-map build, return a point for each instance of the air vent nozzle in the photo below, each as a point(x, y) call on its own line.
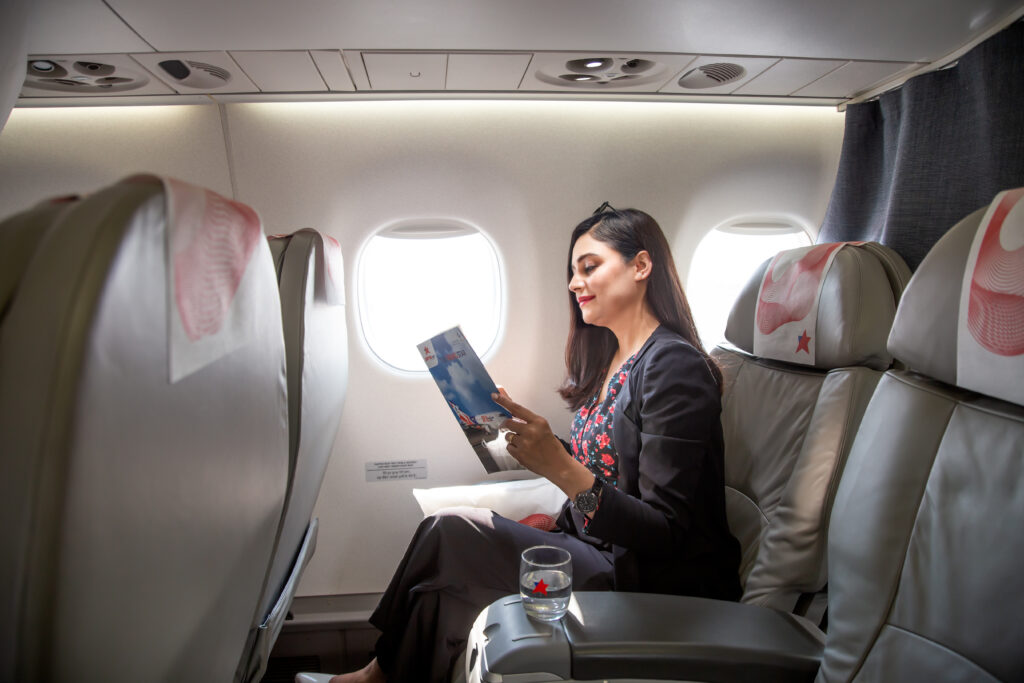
point(711, 75)
point(196, 74)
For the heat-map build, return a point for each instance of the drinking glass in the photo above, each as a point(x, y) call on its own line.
point(545, 581)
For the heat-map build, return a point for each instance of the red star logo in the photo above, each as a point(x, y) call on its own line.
point(802, 343)
point(541, 587)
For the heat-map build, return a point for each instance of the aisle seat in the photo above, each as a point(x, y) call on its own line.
point(792, 402)
point(143, 426)
point(311, 280)
point(925, 538)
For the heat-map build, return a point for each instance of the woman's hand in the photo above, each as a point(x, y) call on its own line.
point(535, 446)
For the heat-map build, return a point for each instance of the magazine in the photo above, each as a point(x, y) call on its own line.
point(467, 388)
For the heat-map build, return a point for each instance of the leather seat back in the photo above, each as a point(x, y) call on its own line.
point(808, 334)
point(143, 426)
point(311, 279)
point(925, 546)
point(19, 238)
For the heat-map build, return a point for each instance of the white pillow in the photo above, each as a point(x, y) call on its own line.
point(512, 499)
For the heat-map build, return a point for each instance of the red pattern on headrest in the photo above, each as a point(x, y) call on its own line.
point(333, 251)
point(209, 270)
point(791, 296)
point(995, 312)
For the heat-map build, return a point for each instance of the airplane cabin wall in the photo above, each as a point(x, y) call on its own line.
point(13, 50)
point(49, 152)
point(524, 172)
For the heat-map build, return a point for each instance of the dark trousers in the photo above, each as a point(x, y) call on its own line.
point(459, 561)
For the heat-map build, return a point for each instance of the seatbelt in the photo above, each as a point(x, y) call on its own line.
point(813, 606)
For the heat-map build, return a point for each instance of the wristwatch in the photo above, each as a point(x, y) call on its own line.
point(586, 501)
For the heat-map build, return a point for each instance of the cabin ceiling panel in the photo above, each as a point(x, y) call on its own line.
point(78, 26)
point(331, 66)
point(405, 70)
point(852, 78)
point(788, 76)
point(910, 30)
point(280, 71)
point(818, 53)
point(476, 71)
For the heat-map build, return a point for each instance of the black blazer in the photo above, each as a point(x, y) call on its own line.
point(665, 525)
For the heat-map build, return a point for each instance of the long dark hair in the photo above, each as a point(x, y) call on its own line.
point(590, 348)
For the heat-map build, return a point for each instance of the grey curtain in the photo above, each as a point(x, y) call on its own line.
point(918, 159)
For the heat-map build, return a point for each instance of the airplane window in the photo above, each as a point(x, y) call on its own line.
point(415, 280)
point(724, 261)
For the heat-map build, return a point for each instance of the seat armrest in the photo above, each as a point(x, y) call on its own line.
point(609, 635)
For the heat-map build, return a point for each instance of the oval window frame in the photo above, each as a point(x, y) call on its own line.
point(428, 228)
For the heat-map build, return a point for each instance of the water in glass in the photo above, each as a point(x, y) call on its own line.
point(545, 582)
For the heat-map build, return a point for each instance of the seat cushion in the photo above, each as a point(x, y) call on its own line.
point(787, 433)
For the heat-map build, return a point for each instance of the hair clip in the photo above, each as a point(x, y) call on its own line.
point(604, 207)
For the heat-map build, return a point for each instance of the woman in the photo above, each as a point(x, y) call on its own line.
point(643, 470)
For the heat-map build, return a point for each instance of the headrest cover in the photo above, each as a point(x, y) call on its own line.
point(333, 284)
point(330, 266)
point(963, 319)
point(828, 306)
point(210, 248)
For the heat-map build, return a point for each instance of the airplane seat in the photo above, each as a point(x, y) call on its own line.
point(312, 289)
point(923, 537)
point(19, 236)
point(808, 336)
point(143, 426)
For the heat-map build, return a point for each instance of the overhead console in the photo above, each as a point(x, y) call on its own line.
point(323, 74)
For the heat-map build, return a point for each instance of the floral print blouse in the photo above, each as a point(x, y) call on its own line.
point(590, 437)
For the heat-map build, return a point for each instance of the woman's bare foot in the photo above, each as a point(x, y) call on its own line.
point(371, 673)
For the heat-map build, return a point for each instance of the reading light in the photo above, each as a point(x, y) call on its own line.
point(589, 64)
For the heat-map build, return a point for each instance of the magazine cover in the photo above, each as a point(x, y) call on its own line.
point(467, 388)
